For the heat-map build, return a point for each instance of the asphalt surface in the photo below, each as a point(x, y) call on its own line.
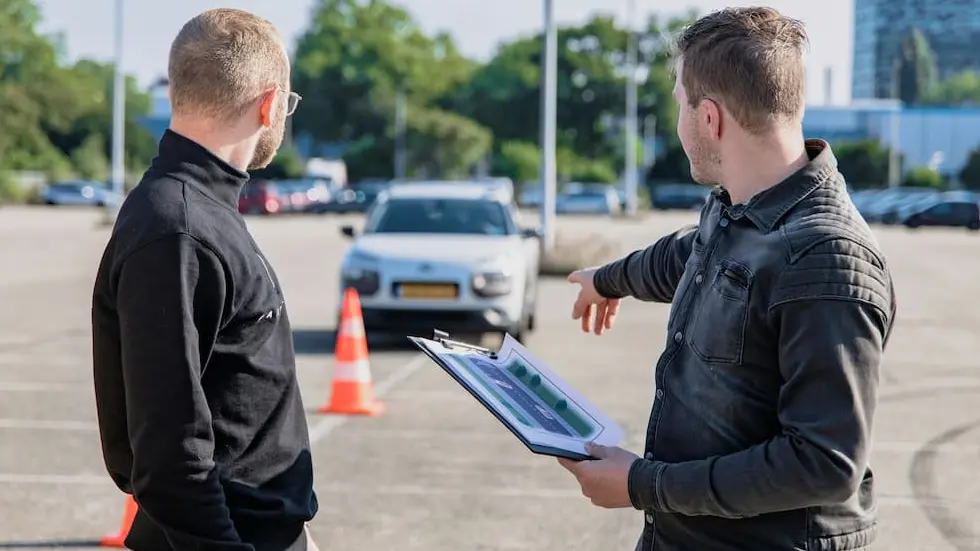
point(436, 472)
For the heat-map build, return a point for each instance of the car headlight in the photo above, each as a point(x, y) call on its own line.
point(493, 277)
point(362, 273)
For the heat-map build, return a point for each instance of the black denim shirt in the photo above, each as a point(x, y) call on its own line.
point(760, 432)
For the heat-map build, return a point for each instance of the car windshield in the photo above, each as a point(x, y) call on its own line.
point(438, 215)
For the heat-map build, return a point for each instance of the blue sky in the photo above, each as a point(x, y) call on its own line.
point(477, 25)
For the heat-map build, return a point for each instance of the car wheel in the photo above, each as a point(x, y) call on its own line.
point(974, 225)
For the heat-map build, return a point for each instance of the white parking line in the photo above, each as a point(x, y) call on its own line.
point(35, 386)
point(56, 479)
point(323, 428)
point(38, 424)
point(914, 447)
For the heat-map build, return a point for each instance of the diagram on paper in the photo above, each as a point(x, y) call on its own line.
point(532, 399)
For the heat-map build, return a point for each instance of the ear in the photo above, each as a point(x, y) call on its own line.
point(711, 117)
point(266, 106)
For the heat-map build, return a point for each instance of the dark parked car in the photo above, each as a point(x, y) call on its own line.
point(352, 199)
point(678, 196)
point(964, 214)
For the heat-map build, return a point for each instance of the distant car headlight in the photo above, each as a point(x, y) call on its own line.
point(361, 272)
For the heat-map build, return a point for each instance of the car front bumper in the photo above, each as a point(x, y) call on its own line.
point(421, 322)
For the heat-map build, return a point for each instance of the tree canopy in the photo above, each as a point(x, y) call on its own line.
point(371, 77)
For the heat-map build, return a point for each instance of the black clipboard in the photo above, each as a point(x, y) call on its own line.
point(442, 338)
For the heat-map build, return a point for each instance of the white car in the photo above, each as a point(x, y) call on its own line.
point(447, 256)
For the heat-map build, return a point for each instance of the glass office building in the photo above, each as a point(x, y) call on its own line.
point(951, 26)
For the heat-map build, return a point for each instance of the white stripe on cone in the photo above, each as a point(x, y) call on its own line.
point(353, 327)
point(356, 371)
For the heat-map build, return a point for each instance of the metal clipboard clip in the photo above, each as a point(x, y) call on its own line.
point(442, 338)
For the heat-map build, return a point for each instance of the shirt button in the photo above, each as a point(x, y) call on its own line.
point(649, 519)
point(649, 455)
point(678, 337)
point(723, 222)
point(698, 279)
point(660, 394)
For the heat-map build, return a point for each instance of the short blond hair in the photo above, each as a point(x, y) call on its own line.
point(222, 61)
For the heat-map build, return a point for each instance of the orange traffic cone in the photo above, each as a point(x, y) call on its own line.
point(353, 391)
point(118, 539)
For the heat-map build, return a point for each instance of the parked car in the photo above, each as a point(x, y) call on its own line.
point(260, 197)
point(599, 199)
point(79, 193)
point(353, 199)
point(950, 213)
point(443, 256)
point(679, 196)
point(883, 206)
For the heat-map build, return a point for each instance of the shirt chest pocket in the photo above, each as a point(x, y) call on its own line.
point(719, 324)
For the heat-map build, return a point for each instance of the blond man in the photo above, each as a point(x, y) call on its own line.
point(199, 408)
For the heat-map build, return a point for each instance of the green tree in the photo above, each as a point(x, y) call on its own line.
point(916, 68)
point(519, 161)
point(287, 165)
point(923, 176)
point(89, 158)
point(352, 62)
point(970, 173)
point(49, 109)
point(504, 94)
point(864, 163)
point(960, 89)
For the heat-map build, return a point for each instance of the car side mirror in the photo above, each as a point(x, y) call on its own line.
point(348, 231)
point(531, 233)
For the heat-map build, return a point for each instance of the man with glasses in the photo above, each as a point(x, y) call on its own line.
point(199, 409)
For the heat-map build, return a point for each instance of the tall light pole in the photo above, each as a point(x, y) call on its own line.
point(894, 121)
point(549, 106)
point(118, 113)
point(629, 174)
point(400, 164)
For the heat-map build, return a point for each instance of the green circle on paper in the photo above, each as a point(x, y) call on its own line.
point(535, 380)
point(562, 405)
point(520, 371)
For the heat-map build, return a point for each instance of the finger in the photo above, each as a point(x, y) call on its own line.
point(575, 277)
point(596, 450)
point(586, 317)
point(568, 464)
point(611, 310)
point(578, 308)
point(600, 317)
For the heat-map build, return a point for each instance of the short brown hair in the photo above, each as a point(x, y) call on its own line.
point(748, 59)
point(221, 62)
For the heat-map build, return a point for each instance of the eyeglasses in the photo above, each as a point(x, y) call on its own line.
point(292, 102)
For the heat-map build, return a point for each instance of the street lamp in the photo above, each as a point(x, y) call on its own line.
point(629, 175)
point(548, 114)
point(118, 113)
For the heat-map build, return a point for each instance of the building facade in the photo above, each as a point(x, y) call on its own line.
point(951, 26)
point(942, 137)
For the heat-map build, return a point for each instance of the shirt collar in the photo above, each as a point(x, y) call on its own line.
point(184, 157)
point(766, 208)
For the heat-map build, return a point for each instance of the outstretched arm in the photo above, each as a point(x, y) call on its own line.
point(649, 274)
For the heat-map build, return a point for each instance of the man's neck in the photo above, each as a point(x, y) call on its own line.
point(216, 142)
point(761, 164)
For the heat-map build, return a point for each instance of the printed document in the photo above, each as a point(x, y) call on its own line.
point(531, 400)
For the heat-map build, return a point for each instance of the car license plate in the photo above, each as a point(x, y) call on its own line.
point(427, 291)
